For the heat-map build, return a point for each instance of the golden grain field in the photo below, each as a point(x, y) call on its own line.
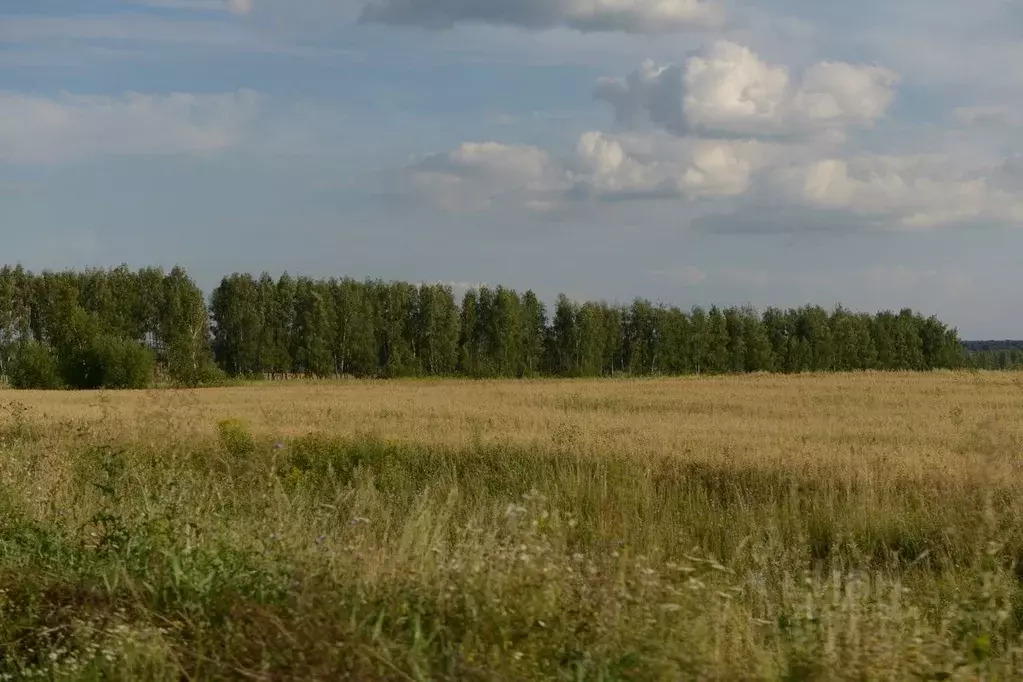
point(863, 526)
point(913, 426)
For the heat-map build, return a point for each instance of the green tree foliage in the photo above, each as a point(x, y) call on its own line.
point(590, 321)
point(735, 323)
point(756, 341)
point(395, 306)
point(15, 313)
point(534, 326)
point(470, 361)
point(184, 330)
point(565, 339)
point(643, 337)
point(34, 366)
point(716, 359)
point(108, 328)
point(675, 347)
point(122, 328)
point(238, 337)
point(313, 330)
point(121, 363)
point(436, 330)
point(354, 343)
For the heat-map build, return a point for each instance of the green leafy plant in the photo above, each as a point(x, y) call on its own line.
point(34, 366)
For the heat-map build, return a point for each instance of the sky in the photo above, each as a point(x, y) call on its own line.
point(692, 152)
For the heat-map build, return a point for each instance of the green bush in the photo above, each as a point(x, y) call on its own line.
point(107, 362)
point(82, 367)
point(34, 367)
point(126, 364)
point(194, 375)
point(235, 437)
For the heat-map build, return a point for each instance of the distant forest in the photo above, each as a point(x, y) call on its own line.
point(992, 346)
point(123, 328)
point(994, 354)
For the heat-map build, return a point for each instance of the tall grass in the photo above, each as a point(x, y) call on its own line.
point(808, 528)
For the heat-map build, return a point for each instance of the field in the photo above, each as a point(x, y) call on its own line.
point(846, 527)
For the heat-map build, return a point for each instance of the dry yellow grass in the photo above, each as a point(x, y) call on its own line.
point(956, 426)
point(867, 527)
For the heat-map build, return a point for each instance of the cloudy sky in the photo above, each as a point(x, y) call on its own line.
point(689, 151)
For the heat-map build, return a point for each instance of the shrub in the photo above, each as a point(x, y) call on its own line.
point(126, 364)
point(82, 367)
point(34, 367)
point(204, 373)
point(235, 437)
point(108, 362)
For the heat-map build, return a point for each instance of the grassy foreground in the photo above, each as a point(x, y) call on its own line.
point(852, 527)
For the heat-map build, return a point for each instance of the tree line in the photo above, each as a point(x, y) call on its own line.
point(119, 328)
point(1003, 359)
point(994, 355)
point(102, 328)
point(393, 329)
point(992, 346)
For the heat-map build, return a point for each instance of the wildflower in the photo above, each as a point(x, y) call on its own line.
point(278, 446)
point(321, 539)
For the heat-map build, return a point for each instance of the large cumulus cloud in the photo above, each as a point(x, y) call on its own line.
point(915, 191)
point(728, 88)
point(726, 124)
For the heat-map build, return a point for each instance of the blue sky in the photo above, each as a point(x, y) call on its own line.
point(689, 151)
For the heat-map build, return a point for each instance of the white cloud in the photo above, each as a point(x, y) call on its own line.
point(477, 174)
point(911, 192)
point(845, 94)
point(918, 192)
point(658, 165)
point(604, 166)
point(729, 88)
point(43, 130)
point(631, 16)
point(713, 119)
point(651, 91)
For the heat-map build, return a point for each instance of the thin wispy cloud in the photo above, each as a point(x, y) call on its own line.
point(39, 130)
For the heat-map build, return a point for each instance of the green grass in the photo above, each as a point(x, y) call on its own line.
point(356, 558)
